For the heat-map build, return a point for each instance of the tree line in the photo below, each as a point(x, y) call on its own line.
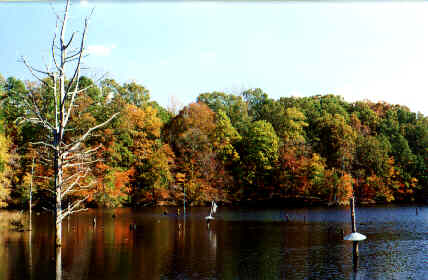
point(246, 148)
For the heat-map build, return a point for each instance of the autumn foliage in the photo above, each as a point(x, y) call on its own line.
point(230, 148)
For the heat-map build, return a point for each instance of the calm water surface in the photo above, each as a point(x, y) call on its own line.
point(239, 244)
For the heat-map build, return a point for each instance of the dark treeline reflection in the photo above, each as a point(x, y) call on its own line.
point(238, 244)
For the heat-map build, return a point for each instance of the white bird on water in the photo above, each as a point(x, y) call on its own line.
point(212, 212)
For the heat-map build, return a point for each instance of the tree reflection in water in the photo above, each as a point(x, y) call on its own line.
point(58, 264)
point(239, 244)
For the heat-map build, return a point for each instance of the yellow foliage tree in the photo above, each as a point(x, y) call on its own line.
point(5, 171)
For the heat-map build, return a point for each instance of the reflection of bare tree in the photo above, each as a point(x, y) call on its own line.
point(212, 237)
point(355, 256)
point(77, 258)
point(30, 235)
point(58, 264)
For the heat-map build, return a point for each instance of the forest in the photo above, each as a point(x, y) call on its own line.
point(234, 149)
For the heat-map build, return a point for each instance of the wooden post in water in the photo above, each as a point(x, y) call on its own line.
point(352, 202)
point(354, 227)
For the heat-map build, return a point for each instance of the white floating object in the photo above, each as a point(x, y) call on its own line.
point(212, 211)
point(355, 236)
point(213, 207)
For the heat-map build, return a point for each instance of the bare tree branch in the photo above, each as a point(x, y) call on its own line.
point(75, 145)
point(37, 111)
point(74, 58)
point(73, 190)
point(48, 210)
point(76, 211)
point(71, 39)
point(35, 69)
point(53, 53)
point(71, 209)
point(32, 70)
point(71, 177)
point(44, 144)
point(55, 13)
point(64, 21)
point(70, 107)
point(81, 155)
point(72, 185)
point(80, 163)
point(75, 77)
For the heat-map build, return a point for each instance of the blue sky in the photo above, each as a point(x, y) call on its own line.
point(360, 50)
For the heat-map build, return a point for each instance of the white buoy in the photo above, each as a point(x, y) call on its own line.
point(355, 236)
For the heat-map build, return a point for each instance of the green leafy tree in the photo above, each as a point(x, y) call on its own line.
point(226, 138)
point(259, 153)
point(293, 126)
point(336, 140)
point(261, 145)
point(234, 107)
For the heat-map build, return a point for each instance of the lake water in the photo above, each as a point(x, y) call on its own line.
point(238, 244)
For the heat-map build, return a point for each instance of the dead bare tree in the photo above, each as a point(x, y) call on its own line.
point(69, 158)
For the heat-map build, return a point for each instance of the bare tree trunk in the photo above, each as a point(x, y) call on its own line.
point(58, 232)
point(58, 238)
point(58, 183)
